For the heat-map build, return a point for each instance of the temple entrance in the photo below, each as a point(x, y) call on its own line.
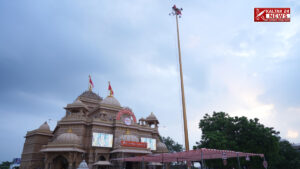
point(60, 162)
point(129, 165)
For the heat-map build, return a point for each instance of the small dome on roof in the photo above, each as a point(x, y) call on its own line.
point(76, 104)
point(161, 147)
point(44, 126)
point(83, 165)
point(67, 138)
point(111, 100)
point(151, 117)
point(90, 95)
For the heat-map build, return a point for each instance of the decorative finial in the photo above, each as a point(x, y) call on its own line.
point(91, 84)
point(111, 92)
point(176, 11)
point(70, 130)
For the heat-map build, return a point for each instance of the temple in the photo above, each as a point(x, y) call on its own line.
point(94, 132)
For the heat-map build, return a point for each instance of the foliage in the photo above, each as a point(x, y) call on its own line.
point(171, 144)
point(5, 165)
point(289, 157)
point(173, 147)
point(220, 131)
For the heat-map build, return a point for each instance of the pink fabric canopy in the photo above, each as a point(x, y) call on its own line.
point(192, 155)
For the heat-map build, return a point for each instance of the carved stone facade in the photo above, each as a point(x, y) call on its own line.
point(71, 141)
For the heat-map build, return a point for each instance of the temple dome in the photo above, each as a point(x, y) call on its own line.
point(83, 165)
point(161, 147)
point(76, 104)
point(151, 117)
point(111, 100)
point(44, 126)
point(67, 138)
point(90, 95)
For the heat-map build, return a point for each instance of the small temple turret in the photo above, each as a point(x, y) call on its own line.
point(35, 139)
point(76, 107)
point(152, 120)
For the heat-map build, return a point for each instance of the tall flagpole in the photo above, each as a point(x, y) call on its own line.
point(176, 12)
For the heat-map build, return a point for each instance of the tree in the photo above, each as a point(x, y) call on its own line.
point(171, 144)
point(220, 131)
point(289, 157)
point(5, 165)
point(173, 147)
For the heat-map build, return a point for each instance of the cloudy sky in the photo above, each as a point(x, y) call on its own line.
point(48, 49)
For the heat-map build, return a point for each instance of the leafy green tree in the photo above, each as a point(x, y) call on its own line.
point(173, 147)
point(220, 131)
point(171, 144)
point(5, 165)
point(289, 157)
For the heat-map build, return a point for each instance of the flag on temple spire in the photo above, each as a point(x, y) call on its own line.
point(111, 92)
point(91, 84)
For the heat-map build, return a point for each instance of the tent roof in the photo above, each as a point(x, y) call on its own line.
point(136, 151)
point(192, 155)
point(102, 163)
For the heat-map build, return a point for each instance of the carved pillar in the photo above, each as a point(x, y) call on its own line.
point(70, 166)
point(46, 165)
point(69, 160)
point(90, 158)
point(50, 165)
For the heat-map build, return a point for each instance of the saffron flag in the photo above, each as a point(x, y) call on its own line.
point(91, 82)
point(110, 89)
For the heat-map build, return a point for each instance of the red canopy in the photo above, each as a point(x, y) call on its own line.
point(192, 155)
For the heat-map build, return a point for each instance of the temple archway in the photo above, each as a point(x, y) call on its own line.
point(60, 162)
point(102, 158)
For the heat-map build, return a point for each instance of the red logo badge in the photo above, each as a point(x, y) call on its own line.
point(272, 14)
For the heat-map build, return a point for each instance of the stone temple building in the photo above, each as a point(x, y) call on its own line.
point(94, 131)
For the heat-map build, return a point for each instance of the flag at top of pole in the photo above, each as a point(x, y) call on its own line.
point(176, 11)
point(111, 92)
point(91, 84)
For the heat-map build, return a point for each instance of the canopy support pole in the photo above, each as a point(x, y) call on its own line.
point(143, 164)
point(162, 160)
point(238, 159)
point(202, 162)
